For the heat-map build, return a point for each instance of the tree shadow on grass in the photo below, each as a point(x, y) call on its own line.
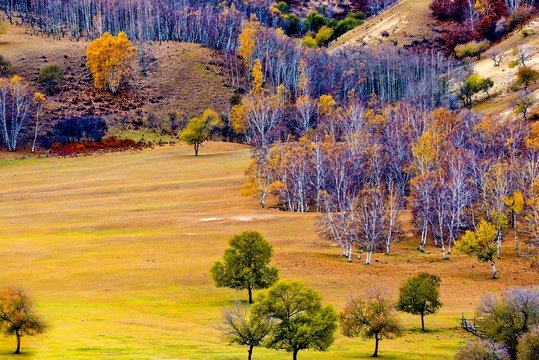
point(418, 331)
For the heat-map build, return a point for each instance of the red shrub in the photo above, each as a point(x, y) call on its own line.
point(105, 145)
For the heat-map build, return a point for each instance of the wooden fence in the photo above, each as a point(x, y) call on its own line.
point(472, 325)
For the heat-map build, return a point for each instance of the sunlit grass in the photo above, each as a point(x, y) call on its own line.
point(115, 249)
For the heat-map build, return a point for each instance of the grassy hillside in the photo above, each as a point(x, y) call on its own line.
point(184, 78)
point(502, 75)
point(408, 22)
point(116, 250)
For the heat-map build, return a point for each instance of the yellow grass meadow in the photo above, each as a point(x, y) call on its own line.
point(115, 250)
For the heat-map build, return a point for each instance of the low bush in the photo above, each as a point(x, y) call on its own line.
point(105, 145)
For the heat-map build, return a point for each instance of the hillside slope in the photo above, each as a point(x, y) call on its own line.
point(411, 23)
point(184, 78)
point(503, 76)
point(408, 22)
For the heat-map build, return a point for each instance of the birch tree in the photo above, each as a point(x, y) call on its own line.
point(39, 103)
point(109, 60)
point(15, 103)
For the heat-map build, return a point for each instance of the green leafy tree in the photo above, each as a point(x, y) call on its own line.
point(525, 76)
point(300, 321)
point(17, 315)
point(198, 130)
point(465, 94)
point(471, 49)
point(239, 328)
point(479, 84)
point(420, 295)
point(522, 104)
point(474, 84)
point(283, 7)
point(314, 21)
point(309, 41)
point(371, 317)
point(291, 24)
point(245, 264)
point(480, 243)
point(51, 76)
point(324, 34)
point(346, 25)
point(507, 317)
point(528, 345)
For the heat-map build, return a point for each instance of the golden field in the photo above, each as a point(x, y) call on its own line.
point(116, 249)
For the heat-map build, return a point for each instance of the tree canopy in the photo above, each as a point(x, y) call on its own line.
point(372, 316)
point(245, 264)
point(480, 243)
point(17, 315)
point(108, 60)
point(51, 75)
point(420, 295)
point(240, 328)
point(198, 130)
point(300, 320)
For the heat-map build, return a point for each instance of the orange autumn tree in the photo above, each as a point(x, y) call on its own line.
point(17, 315)
point(109, 60)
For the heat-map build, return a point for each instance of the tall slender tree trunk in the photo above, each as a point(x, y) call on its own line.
point(18, 351)
point(196, 148)
point(35, 137)
point(376, 346)
point(498, 242)
point(250, 290)
point(250, 352)
point(494, 275)
point(473, 216)
point(422, 322)
point(295, 355)
point(516, 234)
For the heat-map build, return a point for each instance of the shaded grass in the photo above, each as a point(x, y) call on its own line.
point(116, 250)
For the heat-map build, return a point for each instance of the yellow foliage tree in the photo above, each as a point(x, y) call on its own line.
point(515, 204)
point(426, 153)
point(109, 60)
point(326, 104)
point(480, 244)
point(247, 39)
point(198, 130)
point(258, 78)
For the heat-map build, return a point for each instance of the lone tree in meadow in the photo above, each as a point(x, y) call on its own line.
point(420, 295)
point(371, 317)
point(238, 327)
point(17, 316)
point(299, 320)
point(109, 60)
point(245, 264)
point(198, 130)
